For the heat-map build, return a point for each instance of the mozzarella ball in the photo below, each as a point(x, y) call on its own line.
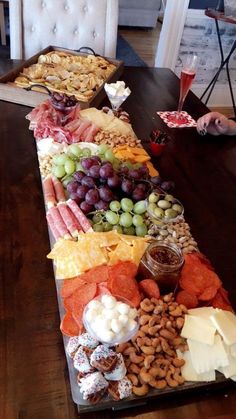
point(123, 308)
point(107, 336)
point(91, 314)
point(108, 301)
point(123, 318)
point(116, 325)
point(131, 325)
point(110, 313)
point(95, 304)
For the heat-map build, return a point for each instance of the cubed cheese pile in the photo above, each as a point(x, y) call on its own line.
point(211, 338)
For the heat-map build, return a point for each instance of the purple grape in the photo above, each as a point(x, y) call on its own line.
point(127, 186)
point(106, 171)
point(102, 205)
point(114, 181)
point(167, 185)
point(81, 191)
point(88, 181)
point(96, 159)
point(72, 186)
point(92, 196)
point(141, 186)
point(85, 207)
point(87, 162)
point(75, 197)
point(135, 174)
point(156, 180)
point(78, 175)
point(138, 194)
point(124, 170)
point(94, 171)
point(143, 170)
point(105, 194)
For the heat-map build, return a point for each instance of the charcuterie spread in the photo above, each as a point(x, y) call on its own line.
point(142, 309)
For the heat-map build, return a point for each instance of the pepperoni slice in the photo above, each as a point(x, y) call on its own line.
point(208, 294)
point(150, 288)
point(70, 285)
point(97, 274)
point(188, 300)
point(68, 325)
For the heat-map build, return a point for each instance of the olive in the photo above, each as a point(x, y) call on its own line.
point(169, 198)
point(153, 197)
point(163, 204)
point(178, 208)
point(170, 213)
point(158, 212)
point(151, 207)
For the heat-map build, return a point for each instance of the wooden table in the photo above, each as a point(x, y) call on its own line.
point(33, 375)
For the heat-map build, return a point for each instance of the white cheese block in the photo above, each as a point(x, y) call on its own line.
point(202, 312)
point(188, 371)
point(225, 323)
point(198, 329)
point(208, 357)
point(229, 370)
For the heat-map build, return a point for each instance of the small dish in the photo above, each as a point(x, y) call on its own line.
point(110, 320)
point(164, 208)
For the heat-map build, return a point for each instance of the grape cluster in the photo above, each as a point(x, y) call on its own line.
point(125, 216)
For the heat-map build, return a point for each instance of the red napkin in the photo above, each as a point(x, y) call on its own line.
point(185, 121)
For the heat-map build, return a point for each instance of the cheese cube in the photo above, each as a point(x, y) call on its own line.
point(207, 357)
point(225, 323)
point(229, 370)
point(198, 329)
point(188, 371)
point(202, 312)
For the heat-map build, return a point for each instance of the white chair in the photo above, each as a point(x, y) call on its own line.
point(35, 24)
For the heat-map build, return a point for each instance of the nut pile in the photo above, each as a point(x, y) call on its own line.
point(45, 164)
point(150, 357)
point(114, 138)
point(177, 232)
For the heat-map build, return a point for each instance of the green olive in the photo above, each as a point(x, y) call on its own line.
point(158, 212)
point(164, 204)
point(169, 198)
point(170, 213)
point(178, 208)
point(151, 207)
point(153, 197)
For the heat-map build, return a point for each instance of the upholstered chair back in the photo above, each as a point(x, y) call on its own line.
point(35, 24)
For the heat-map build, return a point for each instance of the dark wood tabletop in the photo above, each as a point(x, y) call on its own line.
point(34, 381)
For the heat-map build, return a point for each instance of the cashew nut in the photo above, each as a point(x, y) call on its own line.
point(153, 330)
point(167, 334)
point(148, 360)
point(133, 378)
point(141, 390)
point(148, 350)
point(136, 359)
point(146, 305)
point(170, 380)
point(133, 368)
point(177, 312)
point(154, 320)
point(144, 319)
point(129, 350)
point(159, 384)
point(178, 362)
point(144, 375)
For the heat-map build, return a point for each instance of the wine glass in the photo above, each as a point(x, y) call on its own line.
point(117, 93)
point(187, 76)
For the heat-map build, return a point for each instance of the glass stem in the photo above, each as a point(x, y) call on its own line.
point(180, 104)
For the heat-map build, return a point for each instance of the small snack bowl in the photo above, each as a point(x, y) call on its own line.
point(164, 208)
point(156, 149)
point(63, 103)
point(110, 320)
point(157, 141)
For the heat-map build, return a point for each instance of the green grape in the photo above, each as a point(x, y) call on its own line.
point(141, 230)
point(128, 164)
point(114, 206)
point(74, 149)
point(97, 218)
point(126, 219)
point(129, 230)
point(112, 217)
point(140, 207)
point(126, 204)
point(86, 152)
point(107, 226)
point(78, 167)
point(116, 164)
point(118, 228)
point(61, 159)
point(70, 167)
point(137, 220)
point(109, 156)
point(58, 171)
point(66, 180)
point(98, 227)
point(102, 148)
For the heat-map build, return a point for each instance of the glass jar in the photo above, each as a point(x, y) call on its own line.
point(162, 262)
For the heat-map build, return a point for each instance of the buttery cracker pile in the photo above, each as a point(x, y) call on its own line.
point(66, 73)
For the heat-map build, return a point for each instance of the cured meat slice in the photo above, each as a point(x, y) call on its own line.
point(49, 192)
point(122, 284)
point(70, 285)
point(188, 300)
point(66, 215)
point(84, 222)
point(150, 288)
point(97, 274)
point(59, 223)
point(89, 134)
point(221, 300)
point(69, 327)
point(52, 226)
point(79, 131)
point(59, 190)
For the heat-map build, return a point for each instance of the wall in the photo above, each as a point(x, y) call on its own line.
point(199, 35)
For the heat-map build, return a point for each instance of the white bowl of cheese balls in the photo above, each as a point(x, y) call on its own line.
point(110, 320)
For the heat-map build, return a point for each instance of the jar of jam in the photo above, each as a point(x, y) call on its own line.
point(162, 262)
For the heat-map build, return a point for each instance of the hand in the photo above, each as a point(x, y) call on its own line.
point(213, 123)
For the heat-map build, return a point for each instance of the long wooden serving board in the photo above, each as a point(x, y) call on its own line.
point(11, 93)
